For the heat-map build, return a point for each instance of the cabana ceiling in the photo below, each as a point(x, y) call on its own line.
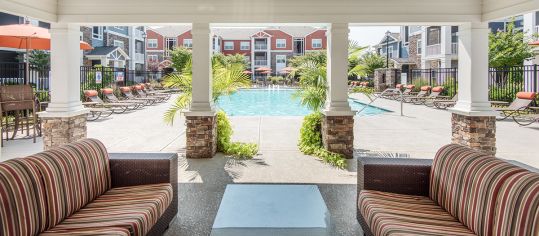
point(267, 11)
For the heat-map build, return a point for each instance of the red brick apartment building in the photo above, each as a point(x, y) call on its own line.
point(262, 47)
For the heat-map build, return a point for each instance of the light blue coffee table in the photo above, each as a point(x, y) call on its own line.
point(260, 210)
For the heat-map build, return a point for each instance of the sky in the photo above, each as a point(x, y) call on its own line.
point(370, 35)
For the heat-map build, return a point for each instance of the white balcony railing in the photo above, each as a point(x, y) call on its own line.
point(433, 50)
point(261, 46)
point(139, 57)
point(454, 48)
point(261, 62)
point(138, 34)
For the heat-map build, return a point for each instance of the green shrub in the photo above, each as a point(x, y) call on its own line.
point(310, 141)
point(276, 79)
point(224, 144)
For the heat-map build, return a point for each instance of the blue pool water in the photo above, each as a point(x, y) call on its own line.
point(265, 102)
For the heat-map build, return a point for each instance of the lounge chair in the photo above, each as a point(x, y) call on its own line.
point(427, 100)
point(147, 87)
point(109, 96)
point(150, 87)
point(126, 92)
point(94, 101)
point(424, 92)
point(407, 92)
point(140, 91)
point(392, 94)
point(515, 108)
point(528, 119)
point(444, 103)
point(97, 112)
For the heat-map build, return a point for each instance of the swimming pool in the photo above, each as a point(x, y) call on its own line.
point(275, 102)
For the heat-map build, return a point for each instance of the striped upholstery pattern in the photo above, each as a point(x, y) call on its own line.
point(396, 214)
point(136, 208)
point(466, 184)
point(517, 213)
point(108, 231)
point(73, 175)
point(22, 199)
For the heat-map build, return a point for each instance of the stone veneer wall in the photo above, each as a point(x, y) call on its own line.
point(201, 136)
point(391, 77)
point(338, 134)
point(63, 130)
point(477, 132)
point(412, 51)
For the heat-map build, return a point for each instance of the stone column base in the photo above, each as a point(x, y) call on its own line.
point(201, 136)
point(58, 131)
point(477, 132)
point(338, 134)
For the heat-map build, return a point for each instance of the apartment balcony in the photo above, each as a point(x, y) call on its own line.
point(261, 62)
point(138, 34)
point(139, 57)
point(261, 46)
point(433, 50)
point(454, 48)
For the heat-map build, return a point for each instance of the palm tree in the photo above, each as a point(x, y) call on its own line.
point(227, 79)
point(312, 79)
point(367, 64)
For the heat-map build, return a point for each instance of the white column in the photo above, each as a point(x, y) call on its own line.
point(202, 103)
point(337, 71)
point(65, 72)
point(473, 71)
point(529, 28)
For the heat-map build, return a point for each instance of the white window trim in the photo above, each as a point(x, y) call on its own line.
point(99, 35)
point(229, 47)
point(189, 44)
point(153, 58)
point(419, 46)
point(390, 51)
point(283, 42)
point(316, 40)
point(121, 42)
point(245, 45)
point(152, 43)
point(278, 57)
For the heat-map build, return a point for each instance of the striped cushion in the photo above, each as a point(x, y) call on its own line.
point(22, 199)
point(466, 183)
point(109, 231)
point(136, 208)
point(397, 214)
point(73, 175)
point(517, 213)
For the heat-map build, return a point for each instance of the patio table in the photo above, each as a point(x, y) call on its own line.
point(287, 210)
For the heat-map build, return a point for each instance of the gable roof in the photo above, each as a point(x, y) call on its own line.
point(106, 50)
point(246, 33)
point(171, 30)
point(395, 36)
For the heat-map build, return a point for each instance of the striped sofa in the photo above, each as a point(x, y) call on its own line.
point(77, 189)
point(460, 192)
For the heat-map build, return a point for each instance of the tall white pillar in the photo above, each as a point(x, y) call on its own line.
point(65, 72)
point(337, 71)
point(473, 71)
point(64, 121)
point(202, 103)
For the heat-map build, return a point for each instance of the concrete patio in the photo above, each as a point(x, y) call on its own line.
point(418, 134)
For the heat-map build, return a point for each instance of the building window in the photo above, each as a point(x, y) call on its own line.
point(419, 47)
point(280, 59)
point(245, 45)
point(152, 43)
point(229, 46)
point(152, 58)
point(406, 35)
point(119, 44)
point(317, 43)
point(171, 43)
point(390, 51)
point(280, 43)
point(188, 43)
point(119, 27)
point(97, 32)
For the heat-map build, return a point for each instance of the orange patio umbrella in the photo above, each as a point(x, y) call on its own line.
point(267, 72)
point(535, 43)
point(29, 37)
point(263, 69)
point(247, 72)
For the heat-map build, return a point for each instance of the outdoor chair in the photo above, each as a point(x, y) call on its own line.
point(139, 89)
point(93, 100)
point(444, 103)
point(461, 192)
point(424, 92)
point(409, 89)
point(427, 100)
point(127, 93)
point(393, 94)
point(18, 101)
point(98, 112)
point(522, 101)
point(109, 96)
point(152, 89)
point(527, 119)
point(80, 189)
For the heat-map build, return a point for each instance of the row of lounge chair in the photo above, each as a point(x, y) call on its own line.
point(131, 98)
point(520, 109)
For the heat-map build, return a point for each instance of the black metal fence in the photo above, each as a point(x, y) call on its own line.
point(91, 78)
point(503, 83)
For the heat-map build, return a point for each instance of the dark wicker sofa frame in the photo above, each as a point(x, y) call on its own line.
point(130, 169)
point(394, 175)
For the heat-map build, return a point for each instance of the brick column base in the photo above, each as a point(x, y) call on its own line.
point(477, 132)
point(338, 134)
point(201, 136)
point(58, 131)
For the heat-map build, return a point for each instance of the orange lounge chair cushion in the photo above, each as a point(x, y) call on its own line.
point(425, 88)
point(399, 86)
point(438, 89)
point(138, 87)
point(90, 93)
point(410, 86)
point(526, 95)
point(107, 91)
point(125, 89)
